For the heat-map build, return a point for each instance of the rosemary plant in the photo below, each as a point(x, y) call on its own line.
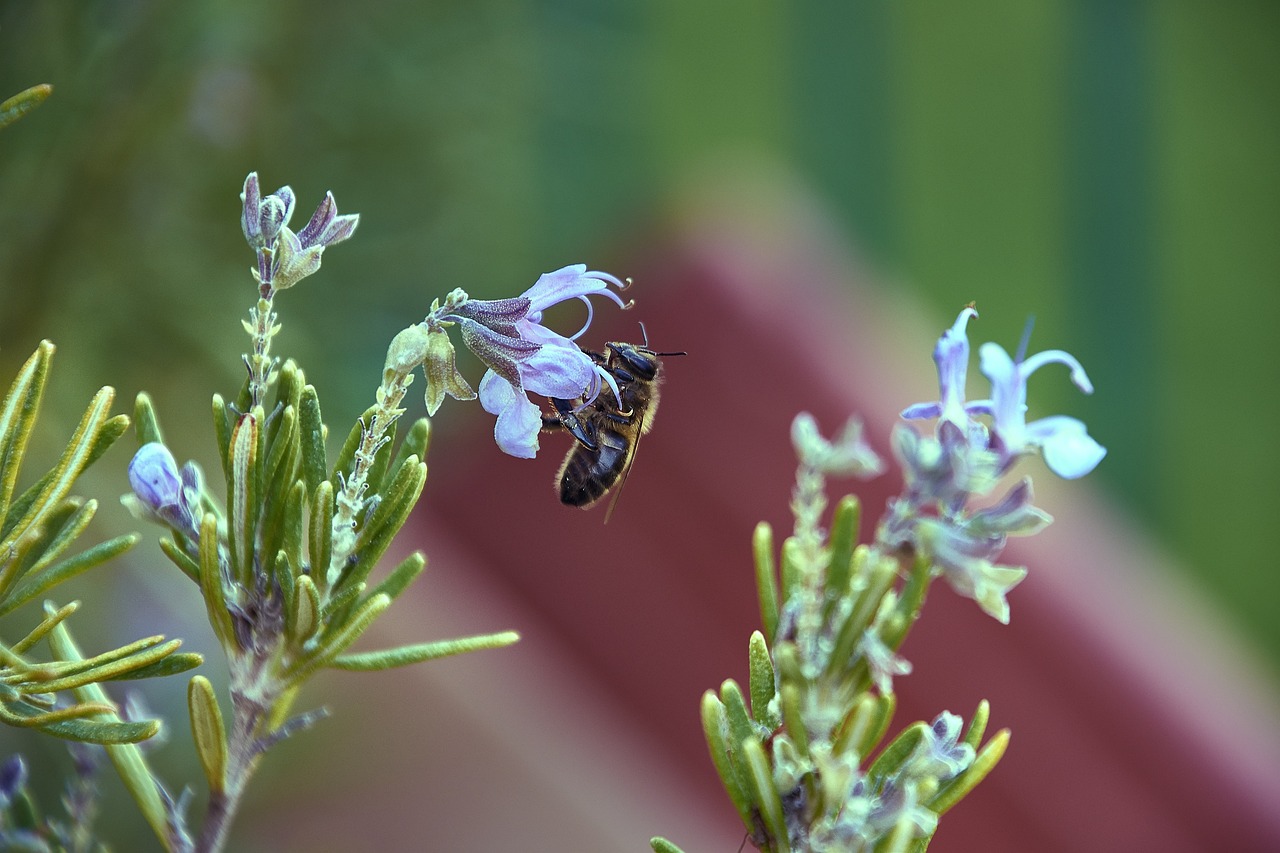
point(804, 760)
point(283, 561)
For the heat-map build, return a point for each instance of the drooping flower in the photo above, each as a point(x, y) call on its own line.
point(524, 356)
point(1064, 442)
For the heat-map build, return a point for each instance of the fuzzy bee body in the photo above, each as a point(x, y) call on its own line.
point(607, 430)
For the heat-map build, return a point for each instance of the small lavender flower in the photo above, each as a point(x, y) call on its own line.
point(966, 558)
point(883, 662)
point(1064, 442)
point(951, 355)
point(941, 755)
point(524, 357)
point(285, 258)
point(163, 492)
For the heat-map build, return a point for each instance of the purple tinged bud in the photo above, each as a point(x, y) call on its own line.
point(274, 215)
point(325, 213)
point(251, 217)
point(170, 495)
point(340, 229)
point(154, 476)
point(500, 315)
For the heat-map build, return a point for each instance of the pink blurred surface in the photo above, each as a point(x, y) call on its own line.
point(1138, 723)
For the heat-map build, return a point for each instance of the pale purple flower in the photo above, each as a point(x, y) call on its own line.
point(882, 661)
point(941, 754)
point(967, 560)
point(1064, 442)
point(951, 355)
point(167, 494)
point(525, 357)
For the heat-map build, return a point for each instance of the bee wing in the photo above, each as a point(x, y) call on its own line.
point(626, 472)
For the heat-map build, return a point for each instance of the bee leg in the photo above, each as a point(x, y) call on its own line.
point(566, 418)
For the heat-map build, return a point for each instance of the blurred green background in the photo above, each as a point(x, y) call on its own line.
point(1108, 166)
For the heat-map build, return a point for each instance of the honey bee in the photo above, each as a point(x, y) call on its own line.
point(607, 430)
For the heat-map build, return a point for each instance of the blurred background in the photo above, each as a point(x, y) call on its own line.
point(1109, 167)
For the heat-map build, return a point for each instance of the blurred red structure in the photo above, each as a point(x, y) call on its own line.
point(1136, 723)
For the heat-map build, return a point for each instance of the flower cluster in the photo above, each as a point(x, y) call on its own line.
point(285, 258)
point(522, 355)
point(974, 445)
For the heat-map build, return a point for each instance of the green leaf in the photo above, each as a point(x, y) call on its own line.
point(110, 665)
point(24, 715)
point(792, 561)
point(760, 775)
point(109, 733)
point(792, 718)
point(170, 665)
point(306, 609)
point(879, 571)
point(244, 495)
point(766, 578)
point(761, 681)
point(211, 583)
point(293, 528)
point(189, 567)
point(311, 437)
point(715, 728)
point(662, 845)
point(38, 583)
point(280, 476)
point(320, 543)
point(51, 619)
point(17, 416)
point(405, 655)
point(22, 103)
point(735, 705)
point(208, 733)
point(222, 417)
point(415, 443)
point(401, 576)
point(978, 724)
point(952, 791)
point(119, 739)
point(338, 640)
point(843, 538)
point(57, 484)
point(146, 426)
point(891, 759)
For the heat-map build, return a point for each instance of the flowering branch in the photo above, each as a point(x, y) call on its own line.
point(803, 764)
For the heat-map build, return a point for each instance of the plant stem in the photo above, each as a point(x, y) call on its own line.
point(252, 697)
point(350, 500)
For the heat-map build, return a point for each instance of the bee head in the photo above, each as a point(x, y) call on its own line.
point(640, 362)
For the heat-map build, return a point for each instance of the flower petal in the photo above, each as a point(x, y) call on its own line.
point(1068, 449)
point(516, 430)
point(568, 283)
point(496, 393)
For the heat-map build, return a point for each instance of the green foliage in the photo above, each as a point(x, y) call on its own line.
point(806, 764)
point(38, 527)
point(22, 103)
